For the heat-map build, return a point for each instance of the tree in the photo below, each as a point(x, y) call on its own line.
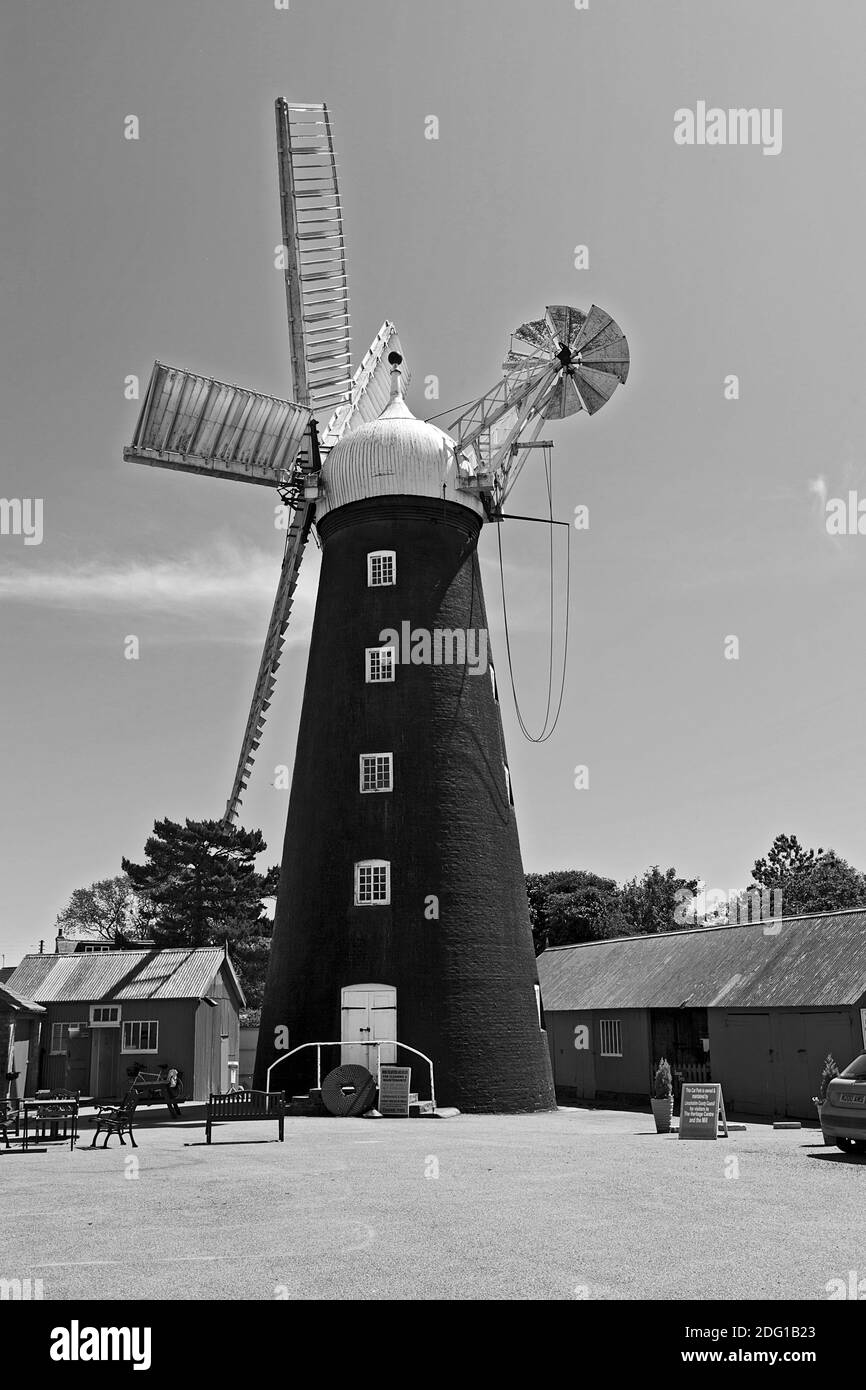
point(109, 909)
point(567, 906)
point(202, 888)
point(649, 903)
point(808, 880)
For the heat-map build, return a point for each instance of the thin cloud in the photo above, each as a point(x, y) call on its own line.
point(222, 581)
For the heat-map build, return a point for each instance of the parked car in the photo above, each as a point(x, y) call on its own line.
point(843, 1114)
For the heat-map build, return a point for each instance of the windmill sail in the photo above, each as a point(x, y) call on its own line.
point(296, 540)
point(196, 424)
point(371, 387)
point(317, 290)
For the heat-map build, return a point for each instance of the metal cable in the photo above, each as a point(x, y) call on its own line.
point(547, 729)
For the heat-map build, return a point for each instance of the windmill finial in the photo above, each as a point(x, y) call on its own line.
point(396, 360)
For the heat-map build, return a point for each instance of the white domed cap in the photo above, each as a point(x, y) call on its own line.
point(395, 455)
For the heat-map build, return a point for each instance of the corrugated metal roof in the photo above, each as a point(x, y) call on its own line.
point(808, 962)
point(11, 999)
point(119, 975)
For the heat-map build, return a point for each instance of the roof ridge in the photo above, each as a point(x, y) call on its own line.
point(700, 931)
point(122, 951)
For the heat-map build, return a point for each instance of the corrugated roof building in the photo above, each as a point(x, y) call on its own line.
point(107, 1012)
point(755, 1006)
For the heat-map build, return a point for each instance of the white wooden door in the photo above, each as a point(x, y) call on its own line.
point(368, 1012)
point(21, 1056)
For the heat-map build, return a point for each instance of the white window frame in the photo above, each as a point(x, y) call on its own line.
point(493, 681)
point(372, 865)
point(508, 786)
point(64, 1041)
point(113, 1021)
point(139, 1023)
point(387, 768)
point(610, 1037)
point(379, 679)
point(382, 556)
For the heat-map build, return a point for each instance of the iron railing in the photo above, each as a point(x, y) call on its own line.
point(378, 1044)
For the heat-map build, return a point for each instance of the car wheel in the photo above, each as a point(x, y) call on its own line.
point(846, 1145)
point(859, 1146)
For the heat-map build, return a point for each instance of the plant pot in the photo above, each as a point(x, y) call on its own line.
point(663, 1111)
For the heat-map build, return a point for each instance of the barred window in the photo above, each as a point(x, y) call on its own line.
point(377, 772)
point(381, 568)
point(611, 1037)
point(380, 664)
point(372, 882)
point(140, 1035)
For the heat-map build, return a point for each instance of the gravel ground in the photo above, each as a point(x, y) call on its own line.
point(572, 1205)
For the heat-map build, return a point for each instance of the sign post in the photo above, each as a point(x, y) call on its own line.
point(702, 1110)
point(394, 1090)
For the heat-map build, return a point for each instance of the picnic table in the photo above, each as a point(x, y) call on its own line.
point(40, 1118)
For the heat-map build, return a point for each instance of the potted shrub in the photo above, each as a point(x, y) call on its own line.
point(662, 1099)
point(830, 1070)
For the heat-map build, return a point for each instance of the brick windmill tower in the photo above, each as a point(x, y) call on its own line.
point(402, 912)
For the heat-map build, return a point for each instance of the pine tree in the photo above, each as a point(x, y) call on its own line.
point(201, 886)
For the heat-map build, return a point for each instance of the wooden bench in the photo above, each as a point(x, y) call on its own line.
point(246, 1105)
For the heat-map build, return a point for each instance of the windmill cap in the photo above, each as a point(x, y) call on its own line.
point(395, 455)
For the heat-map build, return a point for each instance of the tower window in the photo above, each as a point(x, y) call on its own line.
point(493, 682)
point(377, 772)
point(372, 882)
point(381, 568)
point(508, 784)
point(380, 664)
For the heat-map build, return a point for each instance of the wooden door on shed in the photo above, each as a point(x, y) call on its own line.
point(750, 1061)
point(794, 1087)
point(77, 1067)
point(367, 1012)
point(20, 1058)
point(104, 1057)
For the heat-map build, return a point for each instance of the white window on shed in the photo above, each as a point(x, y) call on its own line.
point(372, 882)
point(380, 664)
point(377, 772)
point(105, 1015)
point(611, 1037)
point(381, 568)
point(140, 1035)
point(60, 1038)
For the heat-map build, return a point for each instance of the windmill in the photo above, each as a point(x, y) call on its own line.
point(398, 506)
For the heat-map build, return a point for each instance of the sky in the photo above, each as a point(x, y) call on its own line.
point(707, 515)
